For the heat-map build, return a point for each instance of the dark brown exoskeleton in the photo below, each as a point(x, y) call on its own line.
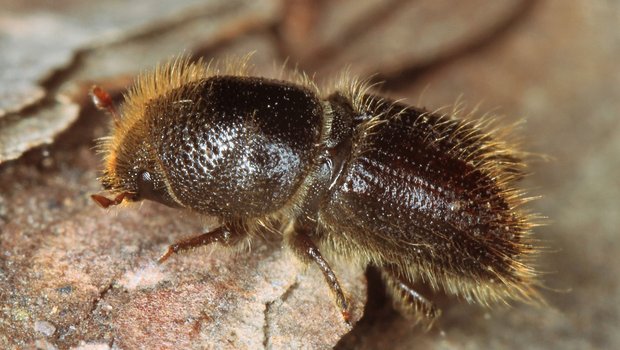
point(423, 197)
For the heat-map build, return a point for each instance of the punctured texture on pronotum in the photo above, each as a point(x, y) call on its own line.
point(341, 173)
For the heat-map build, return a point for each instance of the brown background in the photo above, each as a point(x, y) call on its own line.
point(73, 275)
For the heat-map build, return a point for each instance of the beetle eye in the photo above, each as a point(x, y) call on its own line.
point(146, 187)
point(147, 190)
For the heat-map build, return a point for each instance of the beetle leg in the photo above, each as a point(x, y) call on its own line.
point(407, 299)
point(305, 249)
point(224, 235)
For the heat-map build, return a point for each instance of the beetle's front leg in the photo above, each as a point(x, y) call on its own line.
point(304, 248)
point(227, 234)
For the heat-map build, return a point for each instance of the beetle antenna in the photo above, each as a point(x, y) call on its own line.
point(103, 101)
point(106, 202)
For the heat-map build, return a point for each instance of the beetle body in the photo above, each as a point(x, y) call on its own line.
point(422, 196)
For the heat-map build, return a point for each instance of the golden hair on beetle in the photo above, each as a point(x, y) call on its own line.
point(423, 196)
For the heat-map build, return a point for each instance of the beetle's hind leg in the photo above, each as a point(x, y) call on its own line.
point(411, 303)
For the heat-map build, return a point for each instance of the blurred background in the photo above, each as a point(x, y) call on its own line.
point(552, 63)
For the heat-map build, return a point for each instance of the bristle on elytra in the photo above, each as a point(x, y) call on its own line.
point(491, 150)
